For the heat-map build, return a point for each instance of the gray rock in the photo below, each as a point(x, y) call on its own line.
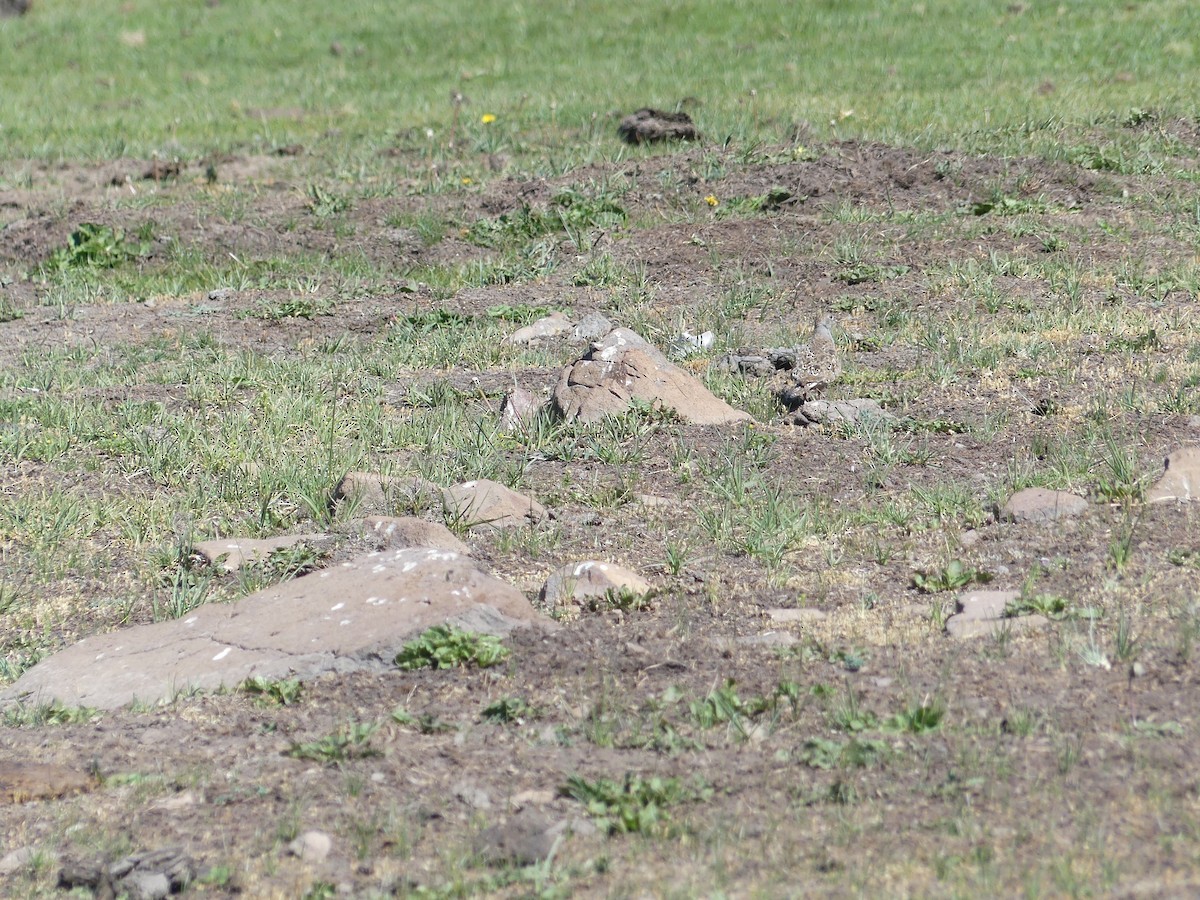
point(592, 327)
point(590, 582)
point(232, 554)
point(312, 846)
point(831, 412)
point(622, 368)
point(1033, 505)
point(1181, 481)
point(220, 294)
point(484, 504)
point(554, 325)
point(391, 532)
point(352, 617)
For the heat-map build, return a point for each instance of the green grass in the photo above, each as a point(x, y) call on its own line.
point(110, 78)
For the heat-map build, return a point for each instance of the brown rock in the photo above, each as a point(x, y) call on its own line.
point(408, 531)
point(355, 616)
point(586, 583)
point(623, 368)
point(1034, 505)
point(21, 782)
point(1181, 482)
point(489, 504)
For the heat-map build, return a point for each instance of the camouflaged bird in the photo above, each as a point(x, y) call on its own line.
point(817, 365)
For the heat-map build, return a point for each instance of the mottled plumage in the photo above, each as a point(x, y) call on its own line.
point(817, 364)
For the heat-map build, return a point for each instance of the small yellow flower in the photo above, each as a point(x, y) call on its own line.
point(466, 180)
point(711, 200)
point(487, 119)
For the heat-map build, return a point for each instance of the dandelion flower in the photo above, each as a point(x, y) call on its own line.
point(466, 180)
point(711, 200)
point(487, 119)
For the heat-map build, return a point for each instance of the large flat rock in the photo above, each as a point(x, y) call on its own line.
point(354, 616)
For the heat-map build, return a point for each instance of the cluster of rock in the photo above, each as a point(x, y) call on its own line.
point(620, 367)
point(354, 615)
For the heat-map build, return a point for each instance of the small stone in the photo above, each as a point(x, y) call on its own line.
point(592, 327)
point(785, 616)
point(969, 538)
point(312, 846)
point(220, 294)
point(1181, 481)
point(1033, 505)
point(591, 582)
point(553, 325)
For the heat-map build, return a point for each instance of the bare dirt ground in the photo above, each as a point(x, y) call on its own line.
point(1065, 759)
